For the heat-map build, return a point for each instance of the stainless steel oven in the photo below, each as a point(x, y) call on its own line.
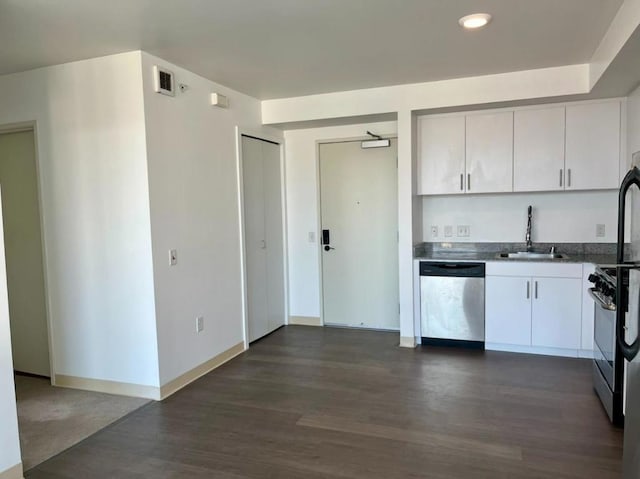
point(604, 338)
point(608, 367)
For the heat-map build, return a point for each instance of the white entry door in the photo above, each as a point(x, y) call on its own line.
point(358, 189)
point(264, 238)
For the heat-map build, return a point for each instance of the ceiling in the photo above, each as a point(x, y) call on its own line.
point(283, 48)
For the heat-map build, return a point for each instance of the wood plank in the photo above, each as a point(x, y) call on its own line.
point(317, 403)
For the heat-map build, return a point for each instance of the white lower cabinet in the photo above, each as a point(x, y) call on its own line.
point(534, 307)
point(556, 312)
point(508, 310)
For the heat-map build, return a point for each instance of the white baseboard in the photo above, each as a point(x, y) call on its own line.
point(105, 386)
point(407, 342)
point(305, 320)
point(14, 472)
point(147, 392)
point(199, 371)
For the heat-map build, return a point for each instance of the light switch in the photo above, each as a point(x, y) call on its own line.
point(448, 231)
point(600, 230)
point(312, 236)
point(199, 324)
point(173, 257)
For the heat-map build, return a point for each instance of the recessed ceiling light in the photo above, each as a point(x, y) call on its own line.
point(477, 20)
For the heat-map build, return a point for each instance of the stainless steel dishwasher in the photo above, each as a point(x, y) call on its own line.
point(452, 304)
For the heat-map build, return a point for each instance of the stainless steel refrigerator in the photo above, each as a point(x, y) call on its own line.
point(627, 325)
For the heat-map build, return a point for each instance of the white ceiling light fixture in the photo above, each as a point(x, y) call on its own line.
point(474, 21)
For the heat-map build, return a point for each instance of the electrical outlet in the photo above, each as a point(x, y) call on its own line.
point(434, 231)
point(600, 230)
point(464, 231)
point(312, 236)
point(448, 231)
point(199, 324)
point(173, 257)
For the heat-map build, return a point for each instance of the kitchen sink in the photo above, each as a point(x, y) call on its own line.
point(532, 255)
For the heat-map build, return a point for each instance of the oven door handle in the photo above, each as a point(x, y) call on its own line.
point(603, 305)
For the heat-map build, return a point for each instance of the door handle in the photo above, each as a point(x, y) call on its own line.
point(629, 351)
point(468, 181)
point(328, 248)
point(461, 182)
point(528, 289)
point(561, 177)
point(569, 177)
point(536, 290)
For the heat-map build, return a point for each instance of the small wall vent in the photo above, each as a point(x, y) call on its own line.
point(163, 81)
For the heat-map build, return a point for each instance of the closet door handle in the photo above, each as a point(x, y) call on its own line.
point(468, 181)
point(569, 177)
point(461, 181)
point(528, 289)
point(560, 176)
point(536, 290)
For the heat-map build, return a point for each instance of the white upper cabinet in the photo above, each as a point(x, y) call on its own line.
point(538, 149)
point(553, 148)
point(441, 145)
point(593, 146)
point(489, 152)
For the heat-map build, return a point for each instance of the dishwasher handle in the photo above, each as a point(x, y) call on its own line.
point(448, 269)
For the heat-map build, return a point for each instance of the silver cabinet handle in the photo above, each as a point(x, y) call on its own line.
point(536, 290)
point(528, 289)
point(461, 181)
point(569, 177)
point(468, 181)
point(560, 176)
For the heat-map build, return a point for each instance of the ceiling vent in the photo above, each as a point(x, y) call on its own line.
point(163, 81)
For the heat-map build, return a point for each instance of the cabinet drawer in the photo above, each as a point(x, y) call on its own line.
point(526, 268)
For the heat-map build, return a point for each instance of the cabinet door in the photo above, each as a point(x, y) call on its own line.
point(489, 152)
point(593, 146)
point(441, 160)
point(538, 149)
point(588, 309)
point(556, 312)
point(508, 310)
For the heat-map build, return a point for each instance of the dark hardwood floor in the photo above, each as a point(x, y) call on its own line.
point(332, 403)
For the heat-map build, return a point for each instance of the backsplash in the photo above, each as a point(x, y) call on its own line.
point(568, 217)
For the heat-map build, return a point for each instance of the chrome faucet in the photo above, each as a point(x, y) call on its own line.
point(528, 235)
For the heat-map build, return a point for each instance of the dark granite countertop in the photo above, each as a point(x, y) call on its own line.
point(597, 253)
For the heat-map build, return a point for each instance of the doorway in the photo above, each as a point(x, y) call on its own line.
point(263, 236)
point(24, 253)
point(359, 217)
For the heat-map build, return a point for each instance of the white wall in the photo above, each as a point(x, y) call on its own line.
point(193, 187)
point(302, 208)
point(23, 249)
point(9, 439)
point(563, 217)
point(91, 148)
point(633, 124)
